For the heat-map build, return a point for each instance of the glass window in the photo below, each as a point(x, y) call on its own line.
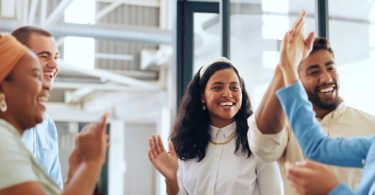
point(207, 39)
point(257, 27)
point(351, 33)
point(80, 51)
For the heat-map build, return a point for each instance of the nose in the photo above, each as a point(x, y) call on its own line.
point(53, 65)
point(227, 93)
point(326, 77)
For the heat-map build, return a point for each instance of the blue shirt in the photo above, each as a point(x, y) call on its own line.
point(349, 152)
point(42, 141)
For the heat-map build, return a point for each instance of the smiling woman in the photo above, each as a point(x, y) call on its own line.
point(212, 154)
point(22, 98)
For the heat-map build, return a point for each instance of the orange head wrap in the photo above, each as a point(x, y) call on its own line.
point(11, 51)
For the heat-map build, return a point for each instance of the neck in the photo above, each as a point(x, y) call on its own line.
point(321, 113)
point(221, 123)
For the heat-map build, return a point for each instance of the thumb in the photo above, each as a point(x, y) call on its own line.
point(309, 41)
point(172, 151)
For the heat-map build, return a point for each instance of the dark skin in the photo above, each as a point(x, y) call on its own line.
point(317, 68)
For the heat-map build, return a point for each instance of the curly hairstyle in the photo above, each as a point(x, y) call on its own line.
point(190, 135)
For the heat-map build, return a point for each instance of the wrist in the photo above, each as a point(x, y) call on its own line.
point(290, 75)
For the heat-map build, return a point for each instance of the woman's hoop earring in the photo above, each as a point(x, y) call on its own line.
point(3, 103)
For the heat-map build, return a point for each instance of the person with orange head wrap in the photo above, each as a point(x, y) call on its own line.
point(22, 99)
point(11, 51)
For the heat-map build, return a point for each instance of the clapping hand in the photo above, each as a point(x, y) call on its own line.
point(165, 163)
point(309, 177)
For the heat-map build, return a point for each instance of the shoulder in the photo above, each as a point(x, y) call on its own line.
point(12, 150)
point(356, 114)
point(7, 139)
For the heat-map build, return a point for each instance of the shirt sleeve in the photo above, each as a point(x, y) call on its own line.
point(267, 147)
point(55, 170)
point(314, 142)
point(342, 189)
point(16, 166)
point(269, 178)
point(181, 189)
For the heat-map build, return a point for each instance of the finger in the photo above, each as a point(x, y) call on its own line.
point(152, 147)
point(151, 156)
point(103, 121)
point(309, 41)
point(298, 26)
point(312, 164)
point(299, 19)
point(172, 151)
point(285, 42)
point(299, 172)
point(161, 145)
point(157, 144)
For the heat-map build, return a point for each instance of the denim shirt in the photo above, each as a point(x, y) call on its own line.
point(42, 141)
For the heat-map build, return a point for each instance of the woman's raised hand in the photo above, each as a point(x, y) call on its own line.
point(165, 163)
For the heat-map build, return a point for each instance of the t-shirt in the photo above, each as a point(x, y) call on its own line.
point(17, 164)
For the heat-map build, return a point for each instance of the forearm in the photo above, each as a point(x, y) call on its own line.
point(83, 181)
point(270, 117)
point(172, 186)
point(313, 141)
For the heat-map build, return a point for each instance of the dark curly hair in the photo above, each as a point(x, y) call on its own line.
point(321, 43)
point(191, 135)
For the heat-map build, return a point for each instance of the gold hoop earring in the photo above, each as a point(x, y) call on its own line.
point(3, 103)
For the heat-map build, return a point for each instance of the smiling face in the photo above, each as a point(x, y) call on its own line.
point(25, 94)
point(223, 97)
point(46, 49)
point(320, 80)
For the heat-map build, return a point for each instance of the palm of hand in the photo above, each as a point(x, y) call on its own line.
point(166, 164)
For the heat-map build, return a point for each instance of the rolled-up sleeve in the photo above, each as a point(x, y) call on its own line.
point(267, 147)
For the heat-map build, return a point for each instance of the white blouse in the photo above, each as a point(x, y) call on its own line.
point(222, 171)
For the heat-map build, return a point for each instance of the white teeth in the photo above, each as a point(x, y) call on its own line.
point(42, 99)
point(226, 104)
point(326, 90)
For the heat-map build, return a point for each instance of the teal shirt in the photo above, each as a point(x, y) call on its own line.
point(349, 152)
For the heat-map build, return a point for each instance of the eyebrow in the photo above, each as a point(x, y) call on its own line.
point(221, 83)
point(329, 63)
point(48, 53)
point(316, 66)
point(313, 66)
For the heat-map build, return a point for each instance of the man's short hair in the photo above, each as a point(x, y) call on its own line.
point(23, 34)
point(322, 43)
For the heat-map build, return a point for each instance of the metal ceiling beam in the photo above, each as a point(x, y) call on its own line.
point(108, 9)
point(32, 12)
point(110, 76)
point(144, 3)
point(111, 56)
point(57, 13)
point(77, 95)
point(112, 32)
point(96, 86)
point(43, 11)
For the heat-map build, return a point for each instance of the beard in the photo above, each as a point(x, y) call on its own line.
point(325, 104)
